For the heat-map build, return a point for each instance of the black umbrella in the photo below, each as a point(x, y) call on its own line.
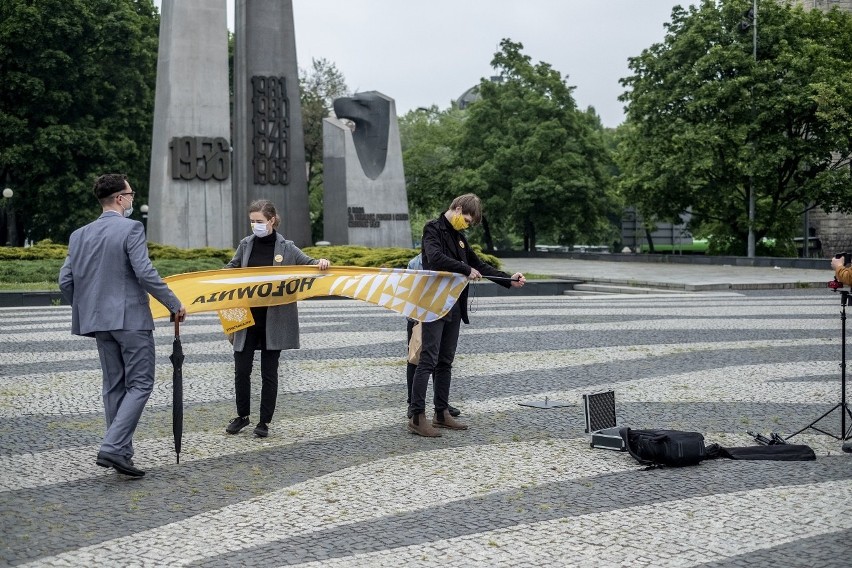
point(177, 388)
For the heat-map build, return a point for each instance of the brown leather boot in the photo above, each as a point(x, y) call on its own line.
point(445, 420)
point(418, 424)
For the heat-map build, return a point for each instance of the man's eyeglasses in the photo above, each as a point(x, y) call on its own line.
point(131, 194)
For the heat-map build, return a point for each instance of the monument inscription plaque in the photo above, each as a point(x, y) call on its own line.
point(200, 157)
point(271, 120)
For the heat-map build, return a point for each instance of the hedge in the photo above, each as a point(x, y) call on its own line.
point(42, 261)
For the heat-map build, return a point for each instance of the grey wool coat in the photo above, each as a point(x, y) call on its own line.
point(282, 322)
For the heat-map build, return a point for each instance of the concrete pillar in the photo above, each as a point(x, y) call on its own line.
point(190, 182)
point(364, 196)
point(269, 148)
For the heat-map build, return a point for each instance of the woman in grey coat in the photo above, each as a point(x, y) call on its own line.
point(275, 327)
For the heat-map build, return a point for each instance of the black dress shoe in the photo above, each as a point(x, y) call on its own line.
point(237, 424)
point(453, 410)
point(121, 464)
point(129, 460)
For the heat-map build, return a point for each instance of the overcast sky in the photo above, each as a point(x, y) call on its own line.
point(425, 52)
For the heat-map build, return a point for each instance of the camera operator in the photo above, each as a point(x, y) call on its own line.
point(843, 274)
point(842, 268)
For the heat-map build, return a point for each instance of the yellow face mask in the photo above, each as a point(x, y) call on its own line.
point(459, 223)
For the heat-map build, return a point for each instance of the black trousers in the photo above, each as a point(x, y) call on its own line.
point(409, 371)
point(243, 361)
point(440, 339)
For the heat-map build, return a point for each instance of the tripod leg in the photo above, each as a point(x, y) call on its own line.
point(848, 434)
point(844, 408)
point(813, 424)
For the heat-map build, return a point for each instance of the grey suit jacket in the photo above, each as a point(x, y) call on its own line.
point(107, 277)
point(282, 322)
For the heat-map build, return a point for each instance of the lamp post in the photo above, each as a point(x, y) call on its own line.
point(751, 22)
point(144, 210)
point(11, 231)
point(805, 235)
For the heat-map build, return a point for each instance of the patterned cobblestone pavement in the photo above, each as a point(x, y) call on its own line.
point(340, 482)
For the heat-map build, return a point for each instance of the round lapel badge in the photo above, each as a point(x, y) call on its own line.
point(278, 258)
point(461, 244)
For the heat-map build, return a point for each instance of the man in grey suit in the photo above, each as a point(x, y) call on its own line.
point(106, 278)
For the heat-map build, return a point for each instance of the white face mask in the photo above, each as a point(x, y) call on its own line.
point(259, 229)
point(129, 211)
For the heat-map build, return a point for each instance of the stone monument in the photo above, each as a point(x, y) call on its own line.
point(190, 179)
point(269, 149)
point(364, 197)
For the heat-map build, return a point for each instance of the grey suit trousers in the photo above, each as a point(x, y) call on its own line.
point(127, 362)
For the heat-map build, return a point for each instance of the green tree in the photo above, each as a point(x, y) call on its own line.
point(77, 100)
point(706, 123)
point(612, 138)
point(319, 86)
point(539, 163)
point(429, 139)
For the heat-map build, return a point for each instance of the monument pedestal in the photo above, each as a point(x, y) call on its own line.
point(190, 181)
point(269, 148)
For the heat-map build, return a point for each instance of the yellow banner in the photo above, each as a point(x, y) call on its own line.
point(235, 319)
point(424, 295)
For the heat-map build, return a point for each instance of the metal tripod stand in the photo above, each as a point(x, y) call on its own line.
point(842, 405)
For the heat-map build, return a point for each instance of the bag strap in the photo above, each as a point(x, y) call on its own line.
point(625, 435)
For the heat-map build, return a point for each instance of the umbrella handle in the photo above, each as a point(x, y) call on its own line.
point(177, 327)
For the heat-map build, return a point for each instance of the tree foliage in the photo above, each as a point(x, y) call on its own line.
point(430, 139)
point(539, 163)
point(706, 122)
point(77, 100)
point(318, 87)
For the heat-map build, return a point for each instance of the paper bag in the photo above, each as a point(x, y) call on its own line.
point(415, 343)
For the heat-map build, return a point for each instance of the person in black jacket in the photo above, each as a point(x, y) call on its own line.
point(416, 263)
point(445, 248)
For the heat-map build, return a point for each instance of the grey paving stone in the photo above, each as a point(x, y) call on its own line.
point(341, 483)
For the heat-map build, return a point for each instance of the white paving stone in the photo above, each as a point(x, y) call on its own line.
point(577, 541)
point(463, 469)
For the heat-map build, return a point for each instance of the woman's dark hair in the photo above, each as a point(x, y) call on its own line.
point(268, 209)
